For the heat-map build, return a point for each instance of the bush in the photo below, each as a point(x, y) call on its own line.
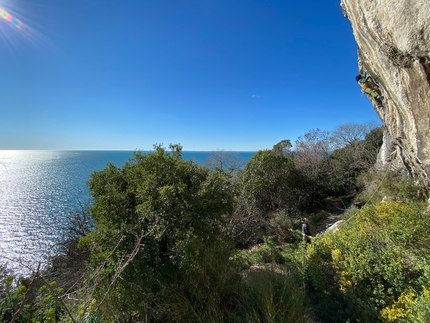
point(268, 183)
point(272, 296)
point(283, 227)
point(155, 217)
point(268, 252)
point(268, 187)
point(389, 186)
point(403, 188)
point(206, 290)
point(20, 301)
point(366, 269)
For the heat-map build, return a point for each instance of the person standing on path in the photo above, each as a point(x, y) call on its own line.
point(305, 231)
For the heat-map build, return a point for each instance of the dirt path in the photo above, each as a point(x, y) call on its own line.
point(336, 208)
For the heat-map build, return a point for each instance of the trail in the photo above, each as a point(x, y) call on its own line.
point(335, 208)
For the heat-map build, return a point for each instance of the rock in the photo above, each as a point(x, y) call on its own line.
point(393, 39)
point(388, 157)
point(383, 160)
point(334, 227)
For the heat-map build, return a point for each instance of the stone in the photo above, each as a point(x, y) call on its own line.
point(393, 39)
point(334, 227)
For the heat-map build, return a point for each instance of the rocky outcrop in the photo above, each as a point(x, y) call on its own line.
point(335, 227)
point(393, 39)
point(389, 157)
point(384, 158)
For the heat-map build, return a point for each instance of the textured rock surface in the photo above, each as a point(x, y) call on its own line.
point(384, 156)
point(393, 39)
point(335, 227)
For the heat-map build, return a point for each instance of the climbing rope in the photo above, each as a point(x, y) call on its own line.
point(373, 194)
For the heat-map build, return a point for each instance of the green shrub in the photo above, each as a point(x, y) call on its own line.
point(272, 296)
point(18, 299)
point(350, 213)
point(386, 184)
point(366, 269)
point(283, 227)
point(268, 252)
point(205, 290)
point(405, 189)
point(11, 300)
point(156, 218)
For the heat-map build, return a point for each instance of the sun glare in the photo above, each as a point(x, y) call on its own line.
point(15, 27)
point(11, 28)
point(15, 22)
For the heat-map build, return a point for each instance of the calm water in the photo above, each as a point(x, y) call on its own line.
point(39, 188)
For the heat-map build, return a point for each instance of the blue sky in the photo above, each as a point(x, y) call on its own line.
point(208, 74)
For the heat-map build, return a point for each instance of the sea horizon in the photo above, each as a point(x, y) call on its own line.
point(131, 150)
point(40, 188)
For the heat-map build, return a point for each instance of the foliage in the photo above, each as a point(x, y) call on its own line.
point(20, 303)
point(284, 227)
point(268, 184)
point(330, 162)
point(160, 252)
point(268, 252)
point(389, 186)
point(77, 224)
point(349, 133)
point(344, 170)
point(227, 161)
point(312, 160)
point(419, 311)
point(207, 290)
point(404, 189)
point(352, 159)
point(369, 269)
point(49, 308)
point(371, 182)
point(272, 296)
point(154, 218)
point(373, 141)
point(11, 300)
point(283, 147)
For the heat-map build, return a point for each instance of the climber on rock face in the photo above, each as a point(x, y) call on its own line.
point(362, 80)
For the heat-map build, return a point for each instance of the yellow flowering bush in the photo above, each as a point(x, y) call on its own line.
point(399, 308)
point(370, 269)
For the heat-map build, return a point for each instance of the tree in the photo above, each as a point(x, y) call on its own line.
point(152, 216)
point(227, 161)
point(331, 161)
point(348, 133)
point(283, 147)
point(311, 157)
point(356, 156)
point(374, 140)
point(268, 183)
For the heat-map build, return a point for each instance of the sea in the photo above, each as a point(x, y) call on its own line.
point(40, 188)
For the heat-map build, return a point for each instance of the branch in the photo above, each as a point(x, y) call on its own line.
point(59, 299)
point(26, 296)
point(120, 270)
point(106, 259)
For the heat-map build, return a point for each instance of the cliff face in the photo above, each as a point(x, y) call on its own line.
point(393, 39)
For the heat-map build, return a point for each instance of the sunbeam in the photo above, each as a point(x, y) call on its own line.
point(16, 31)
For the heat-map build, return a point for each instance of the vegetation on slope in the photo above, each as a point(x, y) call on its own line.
point(174, 241)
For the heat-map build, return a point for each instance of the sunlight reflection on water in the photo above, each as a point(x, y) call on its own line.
point(37, 189)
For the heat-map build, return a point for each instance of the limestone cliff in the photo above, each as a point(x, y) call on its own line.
point(393, 39)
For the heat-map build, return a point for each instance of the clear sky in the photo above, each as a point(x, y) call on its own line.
point(208, 74)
